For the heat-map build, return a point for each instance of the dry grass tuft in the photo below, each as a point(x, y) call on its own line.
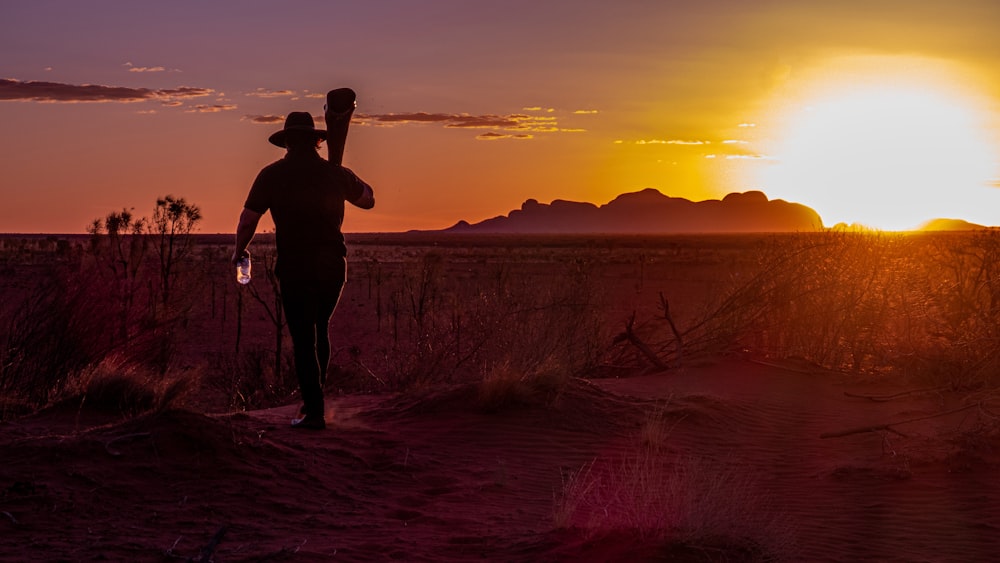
point(657, 425)
point(505, 386)
point(114, 387)
point(662, 498)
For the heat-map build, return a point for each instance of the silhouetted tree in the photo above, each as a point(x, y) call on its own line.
point(119, 248)
point(173, 221)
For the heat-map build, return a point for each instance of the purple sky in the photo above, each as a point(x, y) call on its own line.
point(465, 109)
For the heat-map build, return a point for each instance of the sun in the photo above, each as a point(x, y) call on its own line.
point(885, 151)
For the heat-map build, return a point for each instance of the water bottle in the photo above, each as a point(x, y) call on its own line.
point(243, 271)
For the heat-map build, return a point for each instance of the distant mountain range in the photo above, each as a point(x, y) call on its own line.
point(651, 212)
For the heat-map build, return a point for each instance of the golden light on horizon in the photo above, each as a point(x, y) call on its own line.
point(887, 146)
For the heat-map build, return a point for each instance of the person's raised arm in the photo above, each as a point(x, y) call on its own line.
point(364, 196)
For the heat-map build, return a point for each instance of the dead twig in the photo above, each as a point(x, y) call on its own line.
point(646, 351)
point(889, 426)
point(665, 307)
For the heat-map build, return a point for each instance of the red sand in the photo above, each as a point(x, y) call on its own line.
point(432, 478)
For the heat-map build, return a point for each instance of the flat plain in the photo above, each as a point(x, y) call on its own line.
point(821, 397)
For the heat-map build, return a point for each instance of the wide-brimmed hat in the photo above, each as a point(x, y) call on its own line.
point(296, 121)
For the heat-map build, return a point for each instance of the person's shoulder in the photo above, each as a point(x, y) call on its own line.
point(276, 165)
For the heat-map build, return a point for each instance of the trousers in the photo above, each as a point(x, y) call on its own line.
point(308, 306)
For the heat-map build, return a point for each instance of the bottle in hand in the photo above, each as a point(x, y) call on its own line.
point(243, 271)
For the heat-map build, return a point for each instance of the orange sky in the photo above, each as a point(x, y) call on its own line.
point(466, 110)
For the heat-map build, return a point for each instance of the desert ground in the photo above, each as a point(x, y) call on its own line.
point(829, 397)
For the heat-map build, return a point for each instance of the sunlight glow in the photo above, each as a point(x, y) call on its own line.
point(886, 153)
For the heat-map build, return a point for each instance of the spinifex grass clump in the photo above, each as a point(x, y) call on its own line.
point(659, 497)
point(115, 387)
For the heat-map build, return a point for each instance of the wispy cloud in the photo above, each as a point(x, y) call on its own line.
point(213, 108)
point(41, 91)
point(746, 157)
point(726, 149)
point(585, 112)
point(666, 142)
point(269, 93)
point(510, 126)
point(265, 119)
point(134, 68)
point(491, 136)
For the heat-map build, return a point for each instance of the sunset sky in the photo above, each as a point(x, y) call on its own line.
point(885, 113)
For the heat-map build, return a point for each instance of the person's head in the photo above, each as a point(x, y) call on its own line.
point(299, 133)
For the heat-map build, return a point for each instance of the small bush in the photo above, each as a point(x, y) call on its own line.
point(506, 387)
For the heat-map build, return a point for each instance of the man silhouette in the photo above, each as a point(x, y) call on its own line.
point(305, 194)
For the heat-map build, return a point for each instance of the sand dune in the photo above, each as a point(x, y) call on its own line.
point(718, 462)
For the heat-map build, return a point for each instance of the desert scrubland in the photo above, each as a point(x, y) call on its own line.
point(819, 396)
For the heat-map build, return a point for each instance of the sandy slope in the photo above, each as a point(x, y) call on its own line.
point(718, 462)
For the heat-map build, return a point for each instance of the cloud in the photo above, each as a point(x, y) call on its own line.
point(746, 157)
point(133, 68)
point(268, 93)
point(214, 108)
point(487, 121)
point(517, 122)
point(146, 69)
point(510, 126)
point(41, 91)
point(264, 119)
point(404, 118)
point(585, 112)
point(492, 136)
point(667, 142)
point(272, 119)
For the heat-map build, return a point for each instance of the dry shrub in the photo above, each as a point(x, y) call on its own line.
point(250, 381)
point(505, 386)
point(114, 386)
point(661, 498)
point(58, 331)
point(925, 306)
